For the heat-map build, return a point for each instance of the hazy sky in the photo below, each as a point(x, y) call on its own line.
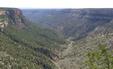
point(57, 3)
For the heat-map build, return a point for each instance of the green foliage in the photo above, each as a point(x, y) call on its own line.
point(100, 59)
point(20, 48)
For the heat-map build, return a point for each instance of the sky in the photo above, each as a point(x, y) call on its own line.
point(57, 3)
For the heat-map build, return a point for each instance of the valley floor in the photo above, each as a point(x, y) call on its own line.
point(64, 62)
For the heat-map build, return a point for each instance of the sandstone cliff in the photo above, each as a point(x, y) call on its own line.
point(11, 16)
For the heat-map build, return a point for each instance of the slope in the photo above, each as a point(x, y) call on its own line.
point(91, 26)
point(24, 45)
point(76, 23)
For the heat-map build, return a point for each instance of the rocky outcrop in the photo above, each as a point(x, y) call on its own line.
point(10, 16)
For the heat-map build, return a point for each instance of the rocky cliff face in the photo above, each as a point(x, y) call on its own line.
point(26, 45)
point(10, 16)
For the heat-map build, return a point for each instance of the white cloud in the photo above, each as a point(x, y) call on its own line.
point(57, 3)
